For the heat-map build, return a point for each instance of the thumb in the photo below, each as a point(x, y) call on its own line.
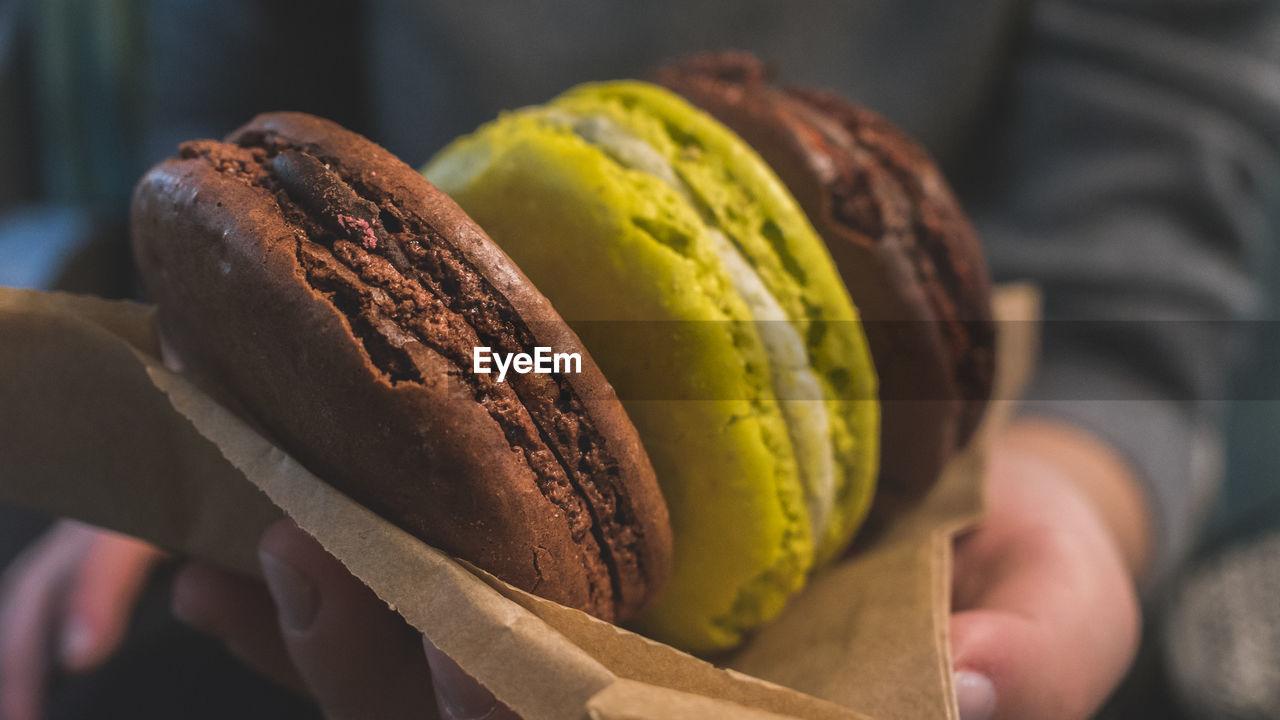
point(458, 695)
point(356, 656)
point(1046, 618)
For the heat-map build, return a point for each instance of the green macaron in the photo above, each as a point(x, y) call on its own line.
point(700, 289)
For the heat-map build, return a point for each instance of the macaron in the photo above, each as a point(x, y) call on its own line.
point(338, 298)
point(901, 241)
point(713, 307)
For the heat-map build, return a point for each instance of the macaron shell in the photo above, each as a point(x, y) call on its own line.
point(613, 245)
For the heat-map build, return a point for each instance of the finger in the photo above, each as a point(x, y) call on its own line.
point(1047, 612)
point(239, 611)
point(358, 658)
point(458, 695)
point(102, 596)
point(30, 601)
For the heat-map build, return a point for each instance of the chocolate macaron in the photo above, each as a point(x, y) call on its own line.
point(900, 240)
point(338, 296)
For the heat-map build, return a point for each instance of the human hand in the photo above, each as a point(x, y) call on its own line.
point(315, 628)
point(1046, 616)
point(1045, 604)
point(65, 604)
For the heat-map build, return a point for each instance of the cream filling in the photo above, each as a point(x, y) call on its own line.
point(794, 382)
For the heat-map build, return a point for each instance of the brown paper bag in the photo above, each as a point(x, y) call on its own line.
point(93, 427)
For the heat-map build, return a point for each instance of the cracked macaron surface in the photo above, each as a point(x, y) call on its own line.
point(711, 305)
point(338, 297)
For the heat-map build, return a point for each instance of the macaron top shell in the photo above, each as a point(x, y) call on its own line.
point(626, 204)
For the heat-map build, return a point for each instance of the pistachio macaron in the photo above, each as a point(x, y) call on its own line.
point(714, 309)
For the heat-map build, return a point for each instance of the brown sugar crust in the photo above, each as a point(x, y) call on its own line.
point(908, 255)
point(338, 295)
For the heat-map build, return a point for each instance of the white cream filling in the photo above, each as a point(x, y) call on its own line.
point(794, 382)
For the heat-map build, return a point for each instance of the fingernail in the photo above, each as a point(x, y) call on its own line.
point(76, 643)
point(975, 696)
point(296, 596)
point(458, 695)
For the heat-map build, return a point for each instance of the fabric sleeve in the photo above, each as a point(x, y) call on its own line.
point(1132, 175)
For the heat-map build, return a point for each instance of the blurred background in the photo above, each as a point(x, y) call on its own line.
point(93, 92)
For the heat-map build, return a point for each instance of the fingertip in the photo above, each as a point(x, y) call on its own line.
point(208, 598)
point(1003, 656)
point(289, 543)
point(990, 642)
point(80, 645)
point(975, 695)
point(303, 576)
point(458, 695)
point(18, 706)
point(185, 599)
point(296, 596)
point(300, 573)
point(974, 652)
point(102, 595)
point(967, 630)
point(356, 656)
